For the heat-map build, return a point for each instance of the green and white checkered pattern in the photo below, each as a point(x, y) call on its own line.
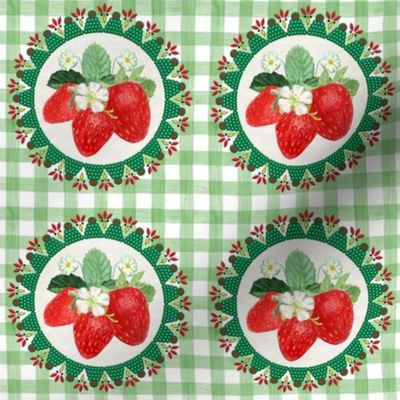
point(198, 201)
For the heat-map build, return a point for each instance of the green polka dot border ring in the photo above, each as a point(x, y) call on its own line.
point(99, 302)
point(299, 98)
point(301, 302)
point(100, 99)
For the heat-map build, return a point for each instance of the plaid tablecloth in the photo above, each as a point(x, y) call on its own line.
point(198, 201)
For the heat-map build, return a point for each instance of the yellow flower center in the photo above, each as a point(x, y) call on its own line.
point(294, 100)
point(91, 97)
point(296, 306)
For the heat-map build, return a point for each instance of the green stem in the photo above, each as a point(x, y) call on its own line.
point(282, 62)
point(80, 61)
point(113, 65)
point(113, 271)
point(319, 270)
point(316, 67)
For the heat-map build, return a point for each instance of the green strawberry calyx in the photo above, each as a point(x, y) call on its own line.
point(299, 276)
point(97, 68)
point(299, 68)
point(98, 279)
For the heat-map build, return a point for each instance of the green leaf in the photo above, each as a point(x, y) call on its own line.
point(261, 81)
point(340, 73)
point(264, 285)
point(120, 76)
point(342, 280)
point(136, 73)
point(299, 271)
point(134, 281)
point(353, 292)
point(136, 278)
point(352, 86)
point(326, 284)
point(108, 79)
point(299, 65)
point(60, 282)
point(324, 78)
point(311, 82)
point(96, 63)
point(315, 288)
point(121, 281)
point(58, 78)
point(147, 290)
point(109, 284)
point(96, 268)
point(149, 86)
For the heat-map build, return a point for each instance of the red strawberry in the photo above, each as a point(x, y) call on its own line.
point(294, 133)
point(296, 337)
point(130, 109)
point(262, 110)
point(334, 311)
point(59, 107)
point(333, 105)
point(60, 310)
point(128, 308)
point(91, 131)
point(92, 334)
point(262, 316)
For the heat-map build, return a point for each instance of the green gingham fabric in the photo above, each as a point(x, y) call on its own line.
point(198, 201)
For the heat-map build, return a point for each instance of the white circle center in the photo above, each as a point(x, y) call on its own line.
point(62, 337)
point(264, 137)
point(60, 134)
point(266, 343)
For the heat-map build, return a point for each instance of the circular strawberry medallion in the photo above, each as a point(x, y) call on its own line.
point(301, 302)
point(300, 97)
point(100, 98)
point(99, 302)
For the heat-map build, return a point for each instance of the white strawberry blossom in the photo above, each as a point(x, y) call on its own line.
point(127, 265)
point(332, 267)
point(270, 62)
point(296, 305)
point(294, 99)
point(68, 264)
point(127, 60)
point(331, 62)
point(91, 96)
point(67, 60)
point(270, 267)
point(93, 300)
